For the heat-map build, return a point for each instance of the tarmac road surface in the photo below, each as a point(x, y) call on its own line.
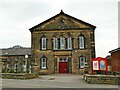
point(53, 81)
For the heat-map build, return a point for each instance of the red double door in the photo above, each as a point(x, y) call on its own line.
point(63, 67)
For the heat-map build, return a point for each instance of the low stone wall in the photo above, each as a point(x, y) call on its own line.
point(19, 76)
point(102, 79)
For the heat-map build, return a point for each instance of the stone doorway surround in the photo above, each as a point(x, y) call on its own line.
point(65, 59)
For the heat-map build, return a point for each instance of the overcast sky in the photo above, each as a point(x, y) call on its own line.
point(18, 16)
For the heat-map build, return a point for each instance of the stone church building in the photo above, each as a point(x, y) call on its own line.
point(62, 44)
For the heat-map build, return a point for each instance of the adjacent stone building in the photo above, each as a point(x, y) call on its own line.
point(62, 44)
point(15, 59)
point(115, 60)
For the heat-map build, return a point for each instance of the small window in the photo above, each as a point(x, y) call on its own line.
point(81, 42)
point(43, 43)
point(82, 62)
point(69, 43)
point(43, 63)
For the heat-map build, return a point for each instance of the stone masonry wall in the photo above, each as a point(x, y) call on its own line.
point(49, 53)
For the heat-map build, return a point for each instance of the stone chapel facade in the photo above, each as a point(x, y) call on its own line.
point(62, 44)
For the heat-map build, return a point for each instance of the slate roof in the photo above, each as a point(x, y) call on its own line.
point(16, 50)
point(115, 50)
point(61, 23)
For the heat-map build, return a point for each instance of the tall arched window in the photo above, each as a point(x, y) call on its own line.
point(43, 43)
point(69, 43)
point(43, 62)
point(81, 42)
point(82, 61)
point(55, 43)
point(62, 43)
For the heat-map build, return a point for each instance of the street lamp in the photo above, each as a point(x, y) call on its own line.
point(29, 66)
point(7, 62)
point(25, 66)
point(26, 56)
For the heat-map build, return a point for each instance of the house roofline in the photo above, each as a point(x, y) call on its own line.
point(115, 50)
point(61, 13)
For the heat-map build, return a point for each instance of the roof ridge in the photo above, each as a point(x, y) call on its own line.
point(114, 50)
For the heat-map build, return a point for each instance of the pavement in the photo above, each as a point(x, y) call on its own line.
point(53, 81)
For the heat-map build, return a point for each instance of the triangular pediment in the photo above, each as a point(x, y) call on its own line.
point(62, 21)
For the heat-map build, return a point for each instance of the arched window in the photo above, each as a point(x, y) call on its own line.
point(43, 62)
point(62, 43)
point(82, 61)
point(43, 43)
point(69, 43)
point(81, 42)
point(55, 43)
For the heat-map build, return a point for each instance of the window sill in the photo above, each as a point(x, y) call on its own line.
point(44, 69)
point(82, 48)
point(81, 68)
point(43, 49)
point(62, 49)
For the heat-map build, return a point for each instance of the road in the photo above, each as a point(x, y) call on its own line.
point(53, 81)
